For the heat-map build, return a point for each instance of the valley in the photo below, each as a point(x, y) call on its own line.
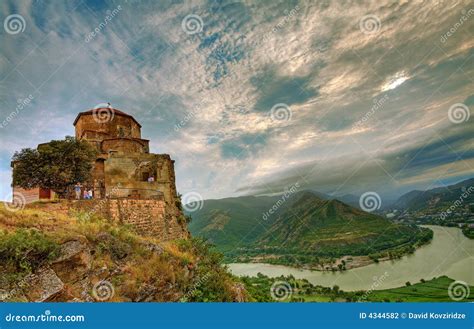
point(305, 231)
point(291, 289)
point(449, 254)
point(451, 206)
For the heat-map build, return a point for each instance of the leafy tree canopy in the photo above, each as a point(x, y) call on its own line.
point(54, 165)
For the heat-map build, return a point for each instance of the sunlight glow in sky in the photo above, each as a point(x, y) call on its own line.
point(357, 110)
point(394, 82)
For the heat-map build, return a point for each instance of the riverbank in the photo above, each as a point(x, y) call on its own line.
point(447, 254)
point(289, 289)
point(338, 264)
point(346, 262)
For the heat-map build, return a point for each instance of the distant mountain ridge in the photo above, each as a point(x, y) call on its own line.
point(350, 199)
point(437, 197)
point(302, 227)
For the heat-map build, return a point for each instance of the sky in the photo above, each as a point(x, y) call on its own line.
point(343, 97)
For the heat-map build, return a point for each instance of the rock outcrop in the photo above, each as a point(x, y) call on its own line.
point(53, 256)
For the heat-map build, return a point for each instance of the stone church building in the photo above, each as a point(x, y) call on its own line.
point(124, 167)
point(130, 185)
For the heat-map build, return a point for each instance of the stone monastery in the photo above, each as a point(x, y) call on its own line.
point(129, 183)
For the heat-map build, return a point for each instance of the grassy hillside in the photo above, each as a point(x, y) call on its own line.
point(300, 290)
point(330, 228)
point(46, 256)
point(435, 290)
point(302, 229)
point(232, 221)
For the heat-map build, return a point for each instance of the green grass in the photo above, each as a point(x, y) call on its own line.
point(188, 270)
point(23, 251)
point(303, 230)
point(232, 221)
point(435, 290)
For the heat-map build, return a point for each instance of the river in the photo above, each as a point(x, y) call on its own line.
point(449, 253)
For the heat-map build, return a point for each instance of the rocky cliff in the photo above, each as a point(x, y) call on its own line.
point(50, 256)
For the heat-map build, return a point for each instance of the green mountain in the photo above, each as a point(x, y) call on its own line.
point(331, 227)
point(300, 228)
point(350, 199)
point(441, 197)
point(231, 222)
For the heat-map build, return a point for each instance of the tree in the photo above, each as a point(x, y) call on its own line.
point(54, 165)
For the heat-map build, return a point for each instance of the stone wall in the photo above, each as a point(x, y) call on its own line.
point(30, 195)
point(124, 165)
point(126, 173)
point(126, 145)
point(146, 217)
point(119, 126)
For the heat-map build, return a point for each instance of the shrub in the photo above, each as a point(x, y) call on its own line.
point(212, 282)
point(115, 247)
point(26, 250)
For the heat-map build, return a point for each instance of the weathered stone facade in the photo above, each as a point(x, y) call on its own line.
point(149, 217)
point(129, 184)
point(124, 165)
point(122, 175)
point(32, 195)
point(127, 173)
point(146, 217)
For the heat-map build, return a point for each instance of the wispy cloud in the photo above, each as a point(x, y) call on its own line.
point(224, 79)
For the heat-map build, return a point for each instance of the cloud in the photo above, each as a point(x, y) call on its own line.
point(364, 107)
point(274, 89)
